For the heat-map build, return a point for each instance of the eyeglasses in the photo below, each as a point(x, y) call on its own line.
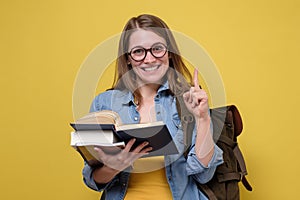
point(157, 50)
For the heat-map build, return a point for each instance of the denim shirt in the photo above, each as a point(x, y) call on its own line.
point(181, 172)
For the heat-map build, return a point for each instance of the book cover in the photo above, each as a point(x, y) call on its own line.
point(85, 127)
point(156, 133)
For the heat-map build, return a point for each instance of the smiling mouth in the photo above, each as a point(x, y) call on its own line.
point(149, 69)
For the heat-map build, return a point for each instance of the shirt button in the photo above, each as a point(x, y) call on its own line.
point(135, 118)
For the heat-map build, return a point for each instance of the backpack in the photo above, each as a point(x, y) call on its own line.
point(227, 126)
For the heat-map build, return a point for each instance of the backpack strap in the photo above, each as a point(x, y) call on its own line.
point(187, 123)
point(207, 191)
point(239, 156)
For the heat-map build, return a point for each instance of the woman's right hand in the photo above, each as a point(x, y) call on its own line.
point(125, 157)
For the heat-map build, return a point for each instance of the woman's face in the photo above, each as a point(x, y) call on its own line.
point(151, 69)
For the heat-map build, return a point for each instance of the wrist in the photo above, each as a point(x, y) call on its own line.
point(203, 120)
point(110, 170)
point(104, 174)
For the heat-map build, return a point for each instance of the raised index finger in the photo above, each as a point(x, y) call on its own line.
point(195, 79)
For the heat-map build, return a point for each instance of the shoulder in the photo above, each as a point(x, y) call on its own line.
point(105, 100)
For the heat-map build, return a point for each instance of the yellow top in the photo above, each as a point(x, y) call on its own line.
point(148, 180)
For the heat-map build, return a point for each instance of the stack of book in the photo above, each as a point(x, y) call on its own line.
point(104, 129)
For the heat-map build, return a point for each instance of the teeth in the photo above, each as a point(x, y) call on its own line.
point(150, 68)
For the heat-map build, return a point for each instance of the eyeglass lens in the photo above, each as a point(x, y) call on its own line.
point(157, 50)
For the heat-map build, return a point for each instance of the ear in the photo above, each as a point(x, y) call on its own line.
point(129, 66)
point(128, 61)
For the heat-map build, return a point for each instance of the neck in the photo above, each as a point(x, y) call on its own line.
point(148, 90)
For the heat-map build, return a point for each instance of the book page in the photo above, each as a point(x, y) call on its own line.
point(101, 117)
point(98, 137)
point(138, 126)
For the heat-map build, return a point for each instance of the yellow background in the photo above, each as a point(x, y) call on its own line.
point(255, 45)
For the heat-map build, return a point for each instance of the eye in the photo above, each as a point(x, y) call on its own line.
point(158, 48)
point(137, 51)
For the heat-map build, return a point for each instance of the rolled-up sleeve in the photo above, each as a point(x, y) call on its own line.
point(87, 173)
point(201, 172)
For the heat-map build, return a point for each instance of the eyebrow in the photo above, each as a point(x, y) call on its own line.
point(149, 47)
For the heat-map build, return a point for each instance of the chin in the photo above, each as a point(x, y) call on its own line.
point(154, 80)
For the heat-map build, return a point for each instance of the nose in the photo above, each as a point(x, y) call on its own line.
point(149, 57)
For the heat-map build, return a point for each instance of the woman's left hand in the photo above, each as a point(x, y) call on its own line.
point(196, 100)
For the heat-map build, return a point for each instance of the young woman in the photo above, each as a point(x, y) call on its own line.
point(150, 75)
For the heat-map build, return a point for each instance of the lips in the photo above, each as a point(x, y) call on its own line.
point(150, 69)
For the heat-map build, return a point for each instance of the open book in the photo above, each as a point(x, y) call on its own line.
point(104, 129)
